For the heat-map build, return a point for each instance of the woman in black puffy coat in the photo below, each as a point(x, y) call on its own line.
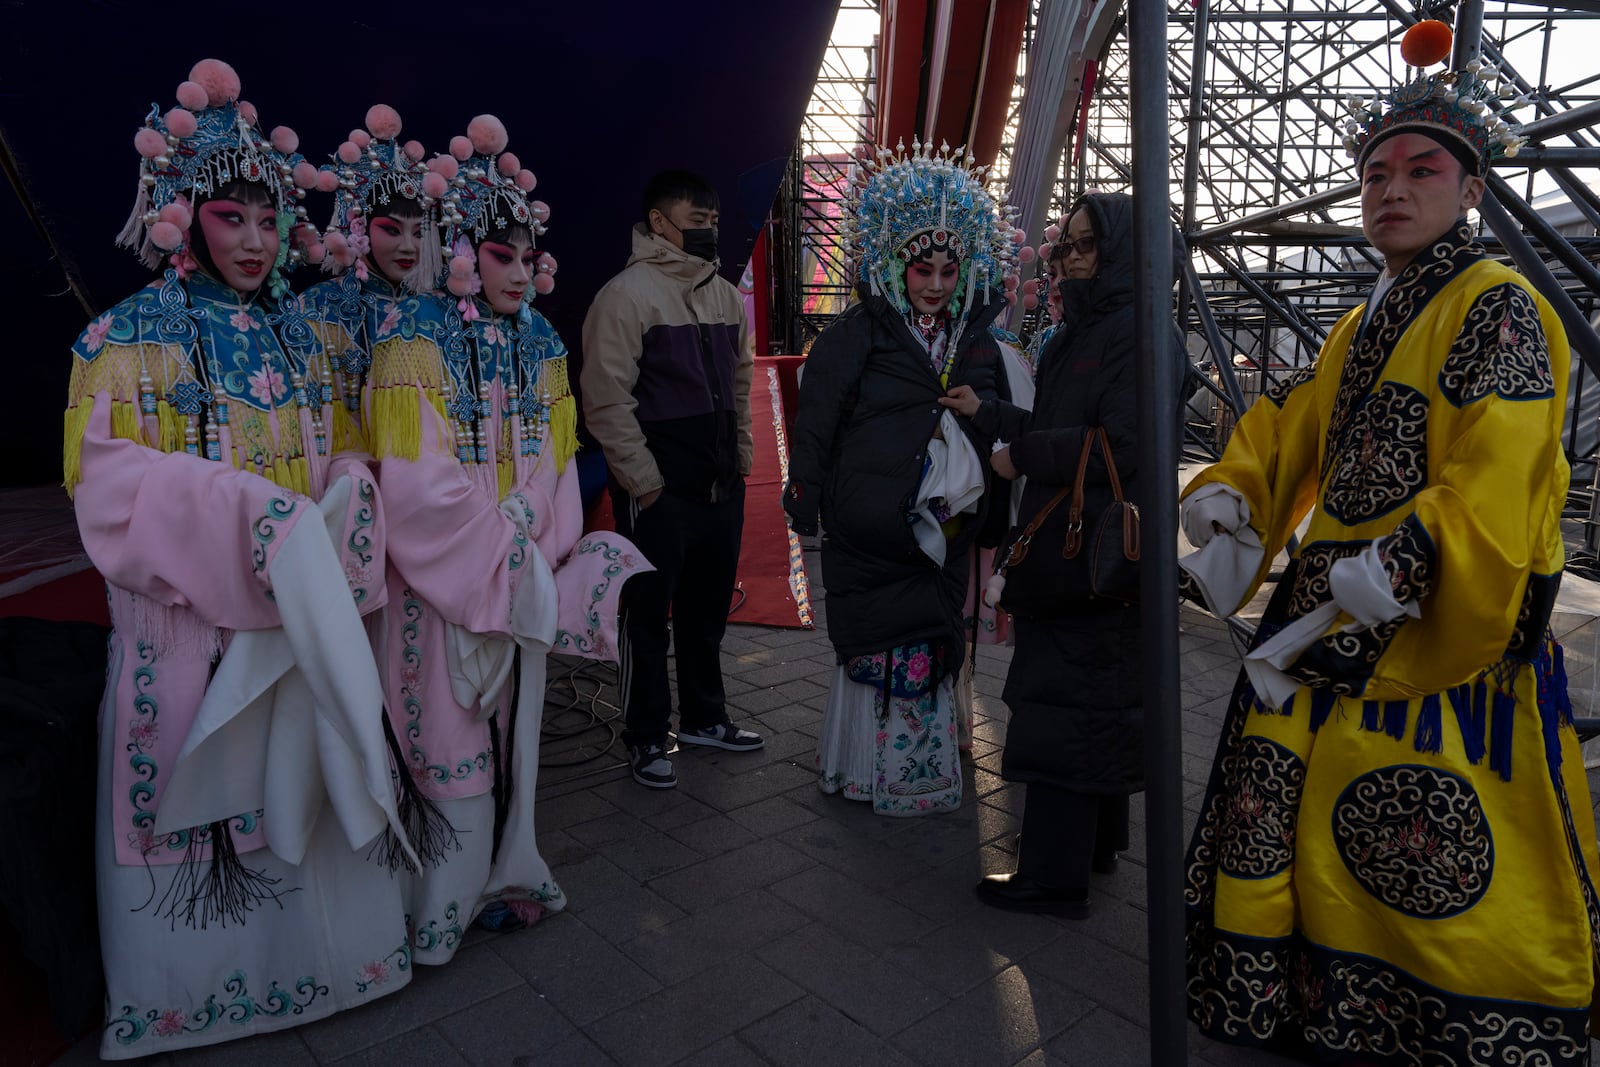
point(1076, 732)
point(898, 482)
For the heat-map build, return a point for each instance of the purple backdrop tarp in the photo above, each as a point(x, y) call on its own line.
point(596, 97)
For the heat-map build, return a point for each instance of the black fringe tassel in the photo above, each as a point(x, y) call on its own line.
point(429, 829)
point(502, 755)
point(220, 890)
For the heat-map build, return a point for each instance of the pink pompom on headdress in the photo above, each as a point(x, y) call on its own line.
point(192, 95)
point(359, 138)
point(149, 144)
point(539, 210)
point(487, 135)
point(181, 122)
point(383, 122)
point(339, 250)
point(526, 180)
point(178, 214)
point(1052, 232)
point(304, 175)
point(166, 236)
point(508, 164)
point(447, 167)
point(413, 150)
point(1025, 254)
point(285, 140)
point(460, 147)
point(434, 185)
point(349, 152)
point(327, 181)
point(247, 111)
point(219, 80)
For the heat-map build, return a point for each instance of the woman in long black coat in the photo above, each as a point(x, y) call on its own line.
point(898, 481)
point(1076, 732)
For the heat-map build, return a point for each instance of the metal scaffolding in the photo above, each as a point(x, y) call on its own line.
point(811, 278)
point(1264, 192)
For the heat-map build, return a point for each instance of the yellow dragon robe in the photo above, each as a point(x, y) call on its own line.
point(1396, 865)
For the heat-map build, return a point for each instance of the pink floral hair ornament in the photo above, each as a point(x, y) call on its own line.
point(486, 190)
point(370, 170)
point(190, 151)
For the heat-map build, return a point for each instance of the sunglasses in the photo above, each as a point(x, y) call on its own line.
point(1083, 245)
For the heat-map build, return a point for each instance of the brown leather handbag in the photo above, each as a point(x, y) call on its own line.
point(1047, 586)
point(1113, 536)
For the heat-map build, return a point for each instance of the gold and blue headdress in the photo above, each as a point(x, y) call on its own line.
point(488, 192)
point(209, 140)
point(1460, 109)
point(904, 205)
point(371, 170)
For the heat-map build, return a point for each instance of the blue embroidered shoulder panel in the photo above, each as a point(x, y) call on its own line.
point(240, 340)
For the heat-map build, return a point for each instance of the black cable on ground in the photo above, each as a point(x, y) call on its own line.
point(572, 709)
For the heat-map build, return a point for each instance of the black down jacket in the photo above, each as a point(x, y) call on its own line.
point(1073, 687)
point(869, 402)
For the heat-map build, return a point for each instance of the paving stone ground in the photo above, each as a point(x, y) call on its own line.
point(745, 918)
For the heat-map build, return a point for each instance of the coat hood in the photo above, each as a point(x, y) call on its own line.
point(668, 257)
point(1111, 214)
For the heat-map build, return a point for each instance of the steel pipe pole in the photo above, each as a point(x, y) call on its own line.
point(1158, 457)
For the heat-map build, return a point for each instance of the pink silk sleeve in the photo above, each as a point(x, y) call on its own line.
point(450, 542)
point(184, 531)
point(362, 549)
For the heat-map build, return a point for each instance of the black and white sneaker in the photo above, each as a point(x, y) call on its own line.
point(723, 735)
point(651, 767)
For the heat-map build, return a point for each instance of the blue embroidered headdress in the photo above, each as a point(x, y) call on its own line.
point(209, 140)
point(904, 205)
point(371, 170)
point(488, 192)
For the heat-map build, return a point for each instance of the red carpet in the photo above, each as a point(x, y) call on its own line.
point(44, 573)
point(772, 588)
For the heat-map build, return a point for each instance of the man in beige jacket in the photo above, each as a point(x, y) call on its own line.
point(667, 359)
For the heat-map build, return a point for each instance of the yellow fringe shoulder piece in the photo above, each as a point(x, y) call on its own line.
point(505, 473)
point(292, 474)
point(564, 430)
point(399, 362)
point(171, 427)
point(396, 428)
point(554, 377)
point(348, 435)
point(125, 425)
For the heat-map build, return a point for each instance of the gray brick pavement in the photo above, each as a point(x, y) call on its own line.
point(745, 918)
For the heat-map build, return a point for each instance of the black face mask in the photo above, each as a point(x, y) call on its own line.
point(700, 242)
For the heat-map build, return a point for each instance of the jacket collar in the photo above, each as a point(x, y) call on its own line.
point(669, 258)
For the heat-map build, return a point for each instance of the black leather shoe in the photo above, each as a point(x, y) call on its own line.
point(1015, 892)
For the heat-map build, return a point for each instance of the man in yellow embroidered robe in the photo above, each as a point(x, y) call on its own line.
point(1395, 855)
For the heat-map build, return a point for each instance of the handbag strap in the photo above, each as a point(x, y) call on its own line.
point(1019, 548)
point(1075, 516)
point(1111, 464)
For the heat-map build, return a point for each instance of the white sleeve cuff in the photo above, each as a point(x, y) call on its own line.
point(1360, 586)
point(1213, 503)
point(1225, 570)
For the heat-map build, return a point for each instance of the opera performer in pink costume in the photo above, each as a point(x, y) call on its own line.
point(244, 774)
point(382, 247)
point(474, 425)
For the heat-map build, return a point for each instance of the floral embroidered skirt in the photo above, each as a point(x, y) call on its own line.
point(889, 733)
point(1400, 882)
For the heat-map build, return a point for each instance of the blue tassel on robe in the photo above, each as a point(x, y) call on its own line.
point(1430, 725)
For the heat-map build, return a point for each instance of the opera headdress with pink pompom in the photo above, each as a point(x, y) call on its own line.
point(370, 171)
point(190, 151)
point(487, 192)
